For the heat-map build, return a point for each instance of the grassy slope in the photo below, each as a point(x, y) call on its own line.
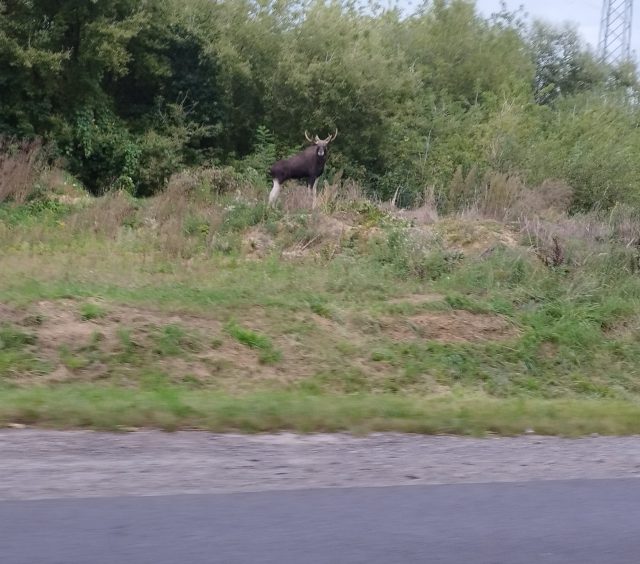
point(118, 315)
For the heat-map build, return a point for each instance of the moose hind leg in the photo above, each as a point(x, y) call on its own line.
point(275, 191)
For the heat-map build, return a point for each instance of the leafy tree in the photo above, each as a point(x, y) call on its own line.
point(563, 66)
point(130, 91)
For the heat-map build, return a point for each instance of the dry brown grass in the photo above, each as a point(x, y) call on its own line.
point(450, 327)
point(339, 194)
point(105, 216)
point(21, 163)
point(461, 189)
point(117, 343)
point(624, 222)
point(174, 222)
point(297, 197)
point(620, 225)
point(499, 195)
point(505, 197)
point(185, 209)
point(425, 211)
point(577, 238)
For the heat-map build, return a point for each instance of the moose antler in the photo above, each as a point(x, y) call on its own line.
point(307, 136)
point(331, 137)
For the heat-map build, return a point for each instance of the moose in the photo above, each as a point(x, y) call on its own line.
point(308, 164)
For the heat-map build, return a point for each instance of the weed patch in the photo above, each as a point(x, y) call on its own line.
point(90, 311)
point(12, 338)
point(268, 353)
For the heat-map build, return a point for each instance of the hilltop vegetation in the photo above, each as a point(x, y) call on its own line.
point(127, 92)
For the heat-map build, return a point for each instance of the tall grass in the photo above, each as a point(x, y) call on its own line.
point(21, 163)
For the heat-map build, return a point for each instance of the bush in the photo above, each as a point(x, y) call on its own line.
point(101, 152)
point(159, 157)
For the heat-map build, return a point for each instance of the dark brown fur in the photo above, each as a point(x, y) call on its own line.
point(306, 164)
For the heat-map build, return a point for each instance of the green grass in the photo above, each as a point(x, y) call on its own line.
point(173, 340)
point(335, 342)
point(90, 311)
point(268, 353)
point(171, 408)
point(12, 338)
point(72, 361)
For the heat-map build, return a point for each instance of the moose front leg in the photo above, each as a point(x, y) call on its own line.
point(314, 183)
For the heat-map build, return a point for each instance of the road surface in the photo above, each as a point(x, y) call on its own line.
point(190, 498)
point(566, 522)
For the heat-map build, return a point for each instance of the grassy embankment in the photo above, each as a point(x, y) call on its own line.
point(200, 310)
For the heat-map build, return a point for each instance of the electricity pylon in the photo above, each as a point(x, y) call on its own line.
point(615, 31)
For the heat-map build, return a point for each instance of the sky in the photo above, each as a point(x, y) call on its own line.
point(585, 14)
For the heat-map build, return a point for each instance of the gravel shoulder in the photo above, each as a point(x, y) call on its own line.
point(39, 464)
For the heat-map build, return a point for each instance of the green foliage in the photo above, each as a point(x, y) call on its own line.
point(132, 92)
point(128, 346)
point(162, 406)
point(101, 151)
point(41, 210)
point(563, 67)
point(71, 360)
point(258, 162)
point(15, 358)
point(319, 306)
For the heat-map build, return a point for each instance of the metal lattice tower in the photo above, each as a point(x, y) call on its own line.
point(615, 31)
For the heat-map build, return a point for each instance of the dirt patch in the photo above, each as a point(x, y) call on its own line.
point(61, 325)
point(257, 244)
point(625, 329)
point(322, 235)
point(451, 327)
point(475, 237)
point(10, 315)
point(548, 351)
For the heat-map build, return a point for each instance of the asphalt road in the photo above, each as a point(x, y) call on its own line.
point(563, 522)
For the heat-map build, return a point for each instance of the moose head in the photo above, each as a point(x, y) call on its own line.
point(321, 144)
